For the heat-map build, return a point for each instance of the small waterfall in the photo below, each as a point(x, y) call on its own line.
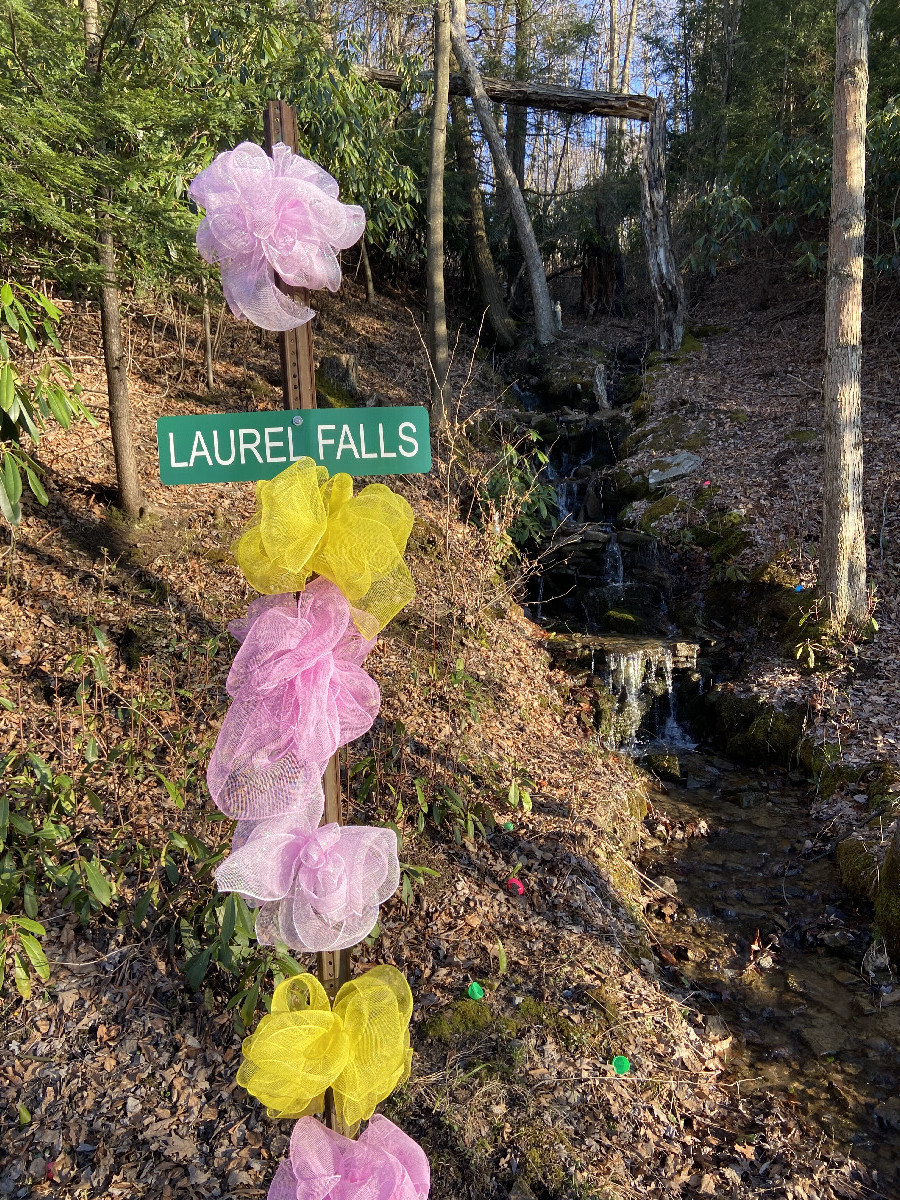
point(638, 678)
point(615, 566)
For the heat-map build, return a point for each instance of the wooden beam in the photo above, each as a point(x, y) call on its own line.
point(532, 95)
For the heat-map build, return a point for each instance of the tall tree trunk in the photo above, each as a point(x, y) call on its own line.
point(517, 127)
point(540, 293)
point(437, 309)
point(842, 553)
point(120, 415)
point(489, 284)
point(625, 77)
point(665, 277)
point(367, 271)
point(614, 127)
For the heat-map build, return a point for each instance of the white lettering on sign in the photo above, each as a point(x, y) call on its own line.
point(199, 450)
point(270, 457)
point(346, 436)
point(174, 461)
point(249, 447)
point(223, 462)
point(323, 441)
point(384, 453)
point(362, 444)
point(405, 437)
point(293, 456)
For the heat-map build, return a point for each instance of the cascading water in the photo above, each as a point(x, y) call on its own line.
point(604, 579)
point(641, 679)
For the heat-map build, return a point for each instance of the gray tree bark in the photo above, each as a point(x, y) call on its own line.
point(489, 285)
point(842, 553)
point(121, 421)
point(437, 308)
point(665, 276)
point(367, 271)
point(537, 276)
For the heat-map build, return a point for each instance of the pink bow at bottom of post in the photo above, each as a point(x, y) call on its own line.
point(384, 1164)
point(319, 889)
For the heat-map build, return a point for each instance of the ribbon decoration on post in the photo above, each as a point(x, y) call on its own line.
point(331, 569)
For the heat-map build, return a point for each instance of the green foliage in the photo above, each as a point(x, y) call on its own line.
point(30, 398)
point(115, 141)
point(514, 496)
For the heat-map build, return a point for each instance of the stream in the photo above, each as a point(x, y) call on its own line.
point(751, 925)
point(760, 936)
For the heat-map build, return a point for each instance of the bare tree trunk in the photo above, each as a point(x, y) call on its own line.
point(665, 277)
point(131, 498)
point(367, 271)
point(207, 339)
point(517, 127)
point(842, 553)
point(625, 77)
point(437, 309)
point(120, 416)
point(540, 293)
point(489, 285)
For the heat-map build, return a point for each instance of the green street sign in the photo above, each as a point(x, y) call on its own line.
point(234, 447)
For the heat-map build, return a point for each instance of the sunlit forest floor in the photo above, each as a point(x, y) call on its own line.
point(118, 1079)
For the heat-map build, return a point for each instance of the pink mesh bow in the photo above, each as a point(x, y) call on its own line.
point(383, 1164)
point(266, 215)
point(299, 692)
point(319, 889)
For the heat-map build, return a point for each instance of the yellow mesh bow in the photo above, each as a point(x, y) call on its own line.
point(360, 1049)
point(306, 523)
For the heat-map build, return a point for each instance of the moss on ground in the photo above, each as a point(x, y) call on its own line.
point(658, 509)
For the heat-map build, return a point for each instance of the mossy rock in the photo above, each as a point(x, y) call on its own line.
point(884, 790)
point(689, 345)
point(629, 390)
point(629, 487)
point(773, 736)
point(859, 868)
point(604, 707)
point(737, 415)
point(642, 408)
point(729, 547)
point(705, 331)
point(331, 394)
point(803, 436)
point(664, 766)
point(754, 731)
point(887, 902)
point(655, 511)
